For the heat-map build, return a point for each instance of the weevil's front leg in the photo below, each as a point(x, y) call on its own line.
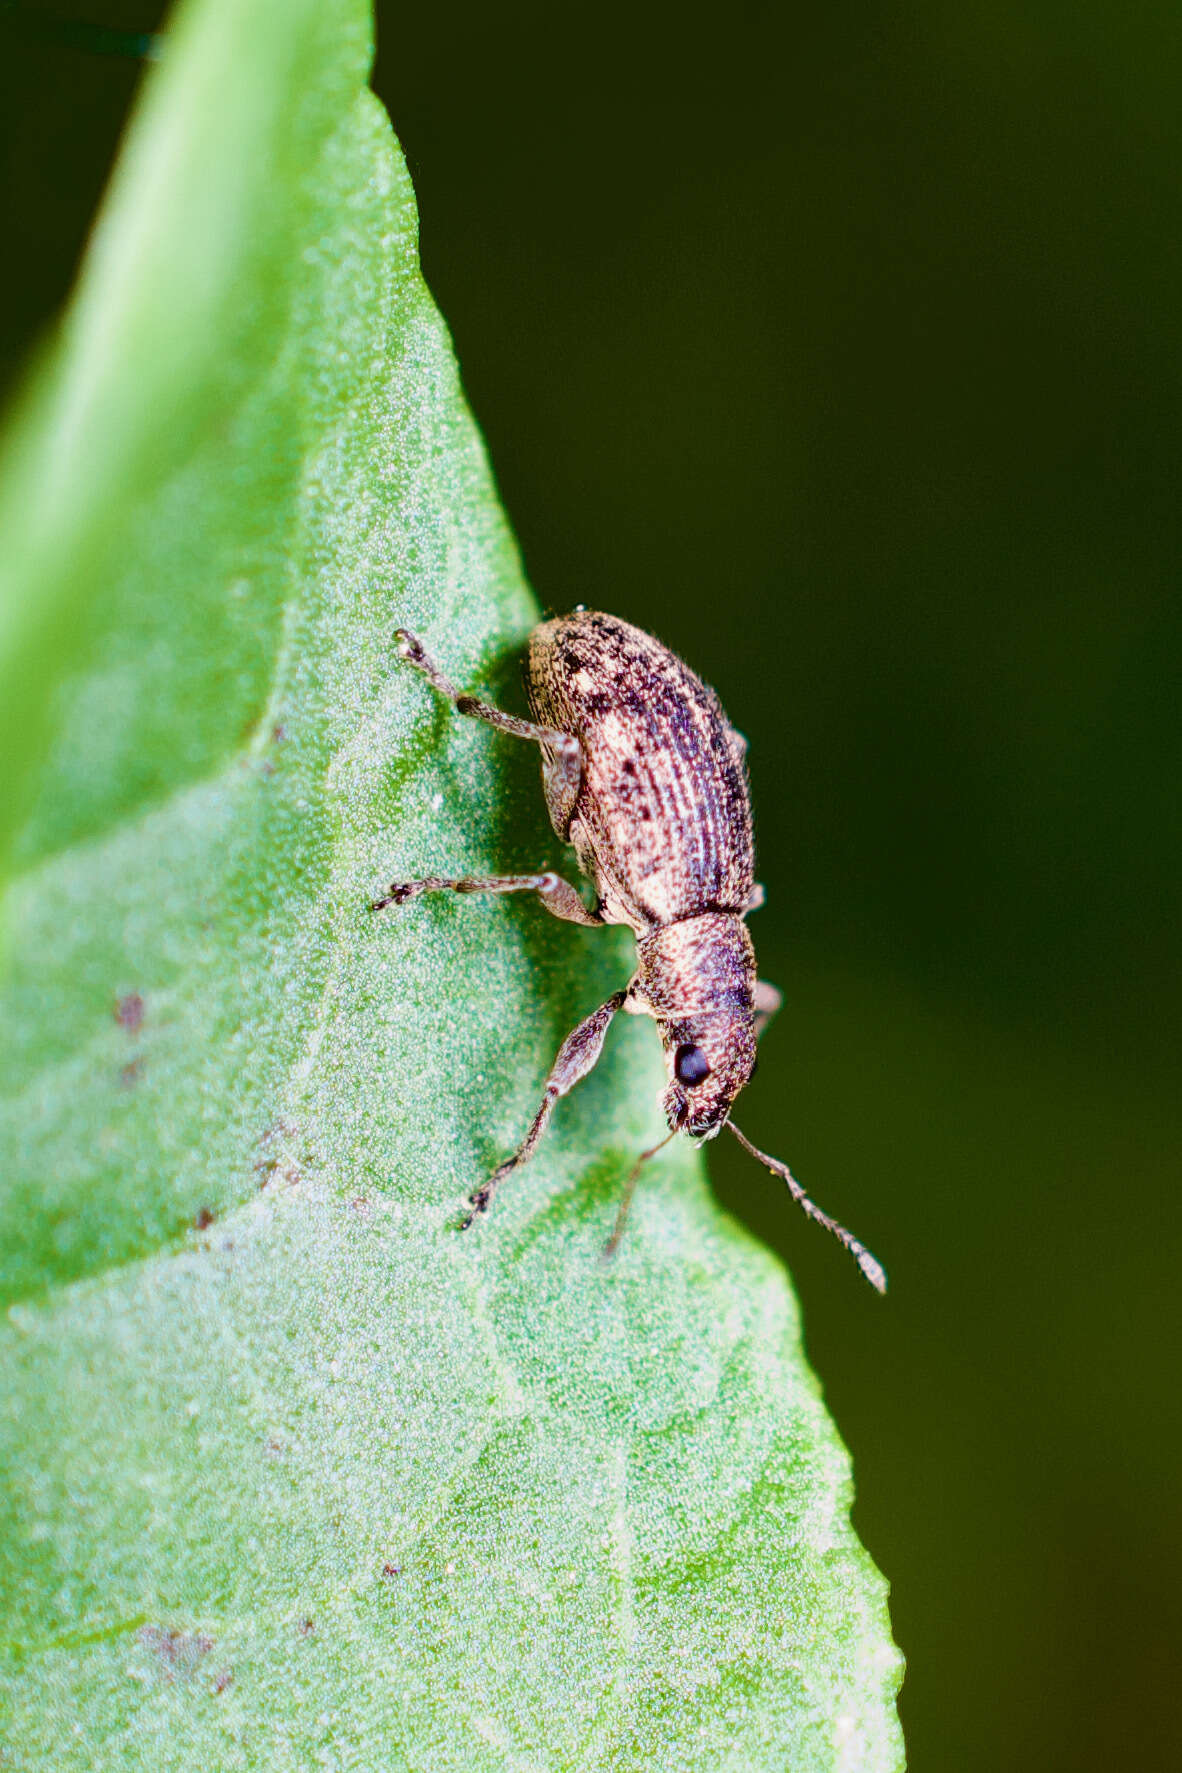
point(566, 769)
point(766, 1000)
point(577, 1056)
point(557, 895)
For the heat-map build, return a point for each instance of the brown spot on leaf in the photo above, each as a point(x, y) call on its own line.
point(266, 1165)
point(224, 1679)
point(129, 1011)
point(279, 733)
point(131, 1073)
point(203, 1218)
point(307, 1627)
point(389, 1571)
point(176, 1652)
point(278, 1129)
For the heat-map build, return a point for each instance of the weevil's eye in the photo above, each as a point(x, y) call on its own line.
point(691, 1065)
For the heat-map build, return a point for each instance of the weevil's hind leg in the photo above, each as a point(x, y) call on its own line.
point(765, 1003)
point(563, 756)
point(557, 895)
point(576, 1057)
point(625, 1206)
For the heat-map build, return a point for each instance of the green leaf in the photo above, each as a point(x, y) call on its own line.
point(295, 1475)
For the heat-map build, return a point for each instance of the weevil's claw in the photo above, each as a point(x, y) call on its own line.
point(479, 1198)
point(478, 1201)
point(475, 1209)
point(409, 645)
point(398, 894)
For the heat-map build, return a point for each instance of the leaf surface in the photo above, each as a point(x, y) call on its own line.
point(295, 1475)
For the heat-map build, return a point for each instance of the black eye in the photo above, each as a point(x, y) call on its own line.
point(691, 1065)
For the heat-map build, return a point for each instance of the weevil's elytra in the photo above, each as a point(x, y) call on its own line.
point(646, 779)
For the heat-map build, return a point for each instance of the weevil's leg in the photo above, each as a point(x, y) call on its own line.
point(557, 895)
point(576, 1057)
point(871, 1267)
point(567, 767)
point(766, 1002)
point(625, 1206)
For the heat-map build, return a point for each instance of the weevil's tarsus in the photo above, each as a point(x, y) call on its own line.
point(557, 895)
point(870, 1265)
point(578, 1054)
point(563, 758)
point(478, 1200)
point(625, 1206)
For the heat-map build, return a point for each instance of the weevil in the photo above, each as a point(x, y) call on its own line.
point(646, 779)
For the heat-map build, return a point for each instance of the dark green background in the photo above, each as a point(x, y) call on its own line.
point(840, 346)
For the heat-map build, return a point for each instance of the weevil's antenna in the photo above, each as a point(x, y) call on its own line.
point(871, 1267)
point(613, 1242)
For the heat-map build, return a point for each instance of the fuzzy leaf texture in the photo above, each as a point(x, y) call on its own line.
point(295, 1475)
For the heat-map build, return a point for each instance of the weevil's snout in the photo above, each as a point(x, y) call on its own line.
point(700, 1120)
point(708, 1066)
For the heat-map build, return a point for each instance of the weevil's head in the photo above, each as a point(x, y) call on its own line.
point(697, 977)
point(709, 1062)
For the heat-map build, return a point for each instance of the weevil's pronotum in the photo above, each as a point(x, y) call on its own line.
point(645, 777)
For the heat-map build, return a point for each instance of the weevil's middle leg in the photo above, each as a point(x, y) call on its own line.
point(557, 895)
point(577, 1056)
point(566, 768)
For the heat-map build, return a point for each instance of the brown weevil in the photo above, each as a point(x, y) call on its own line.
point(645, 777)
